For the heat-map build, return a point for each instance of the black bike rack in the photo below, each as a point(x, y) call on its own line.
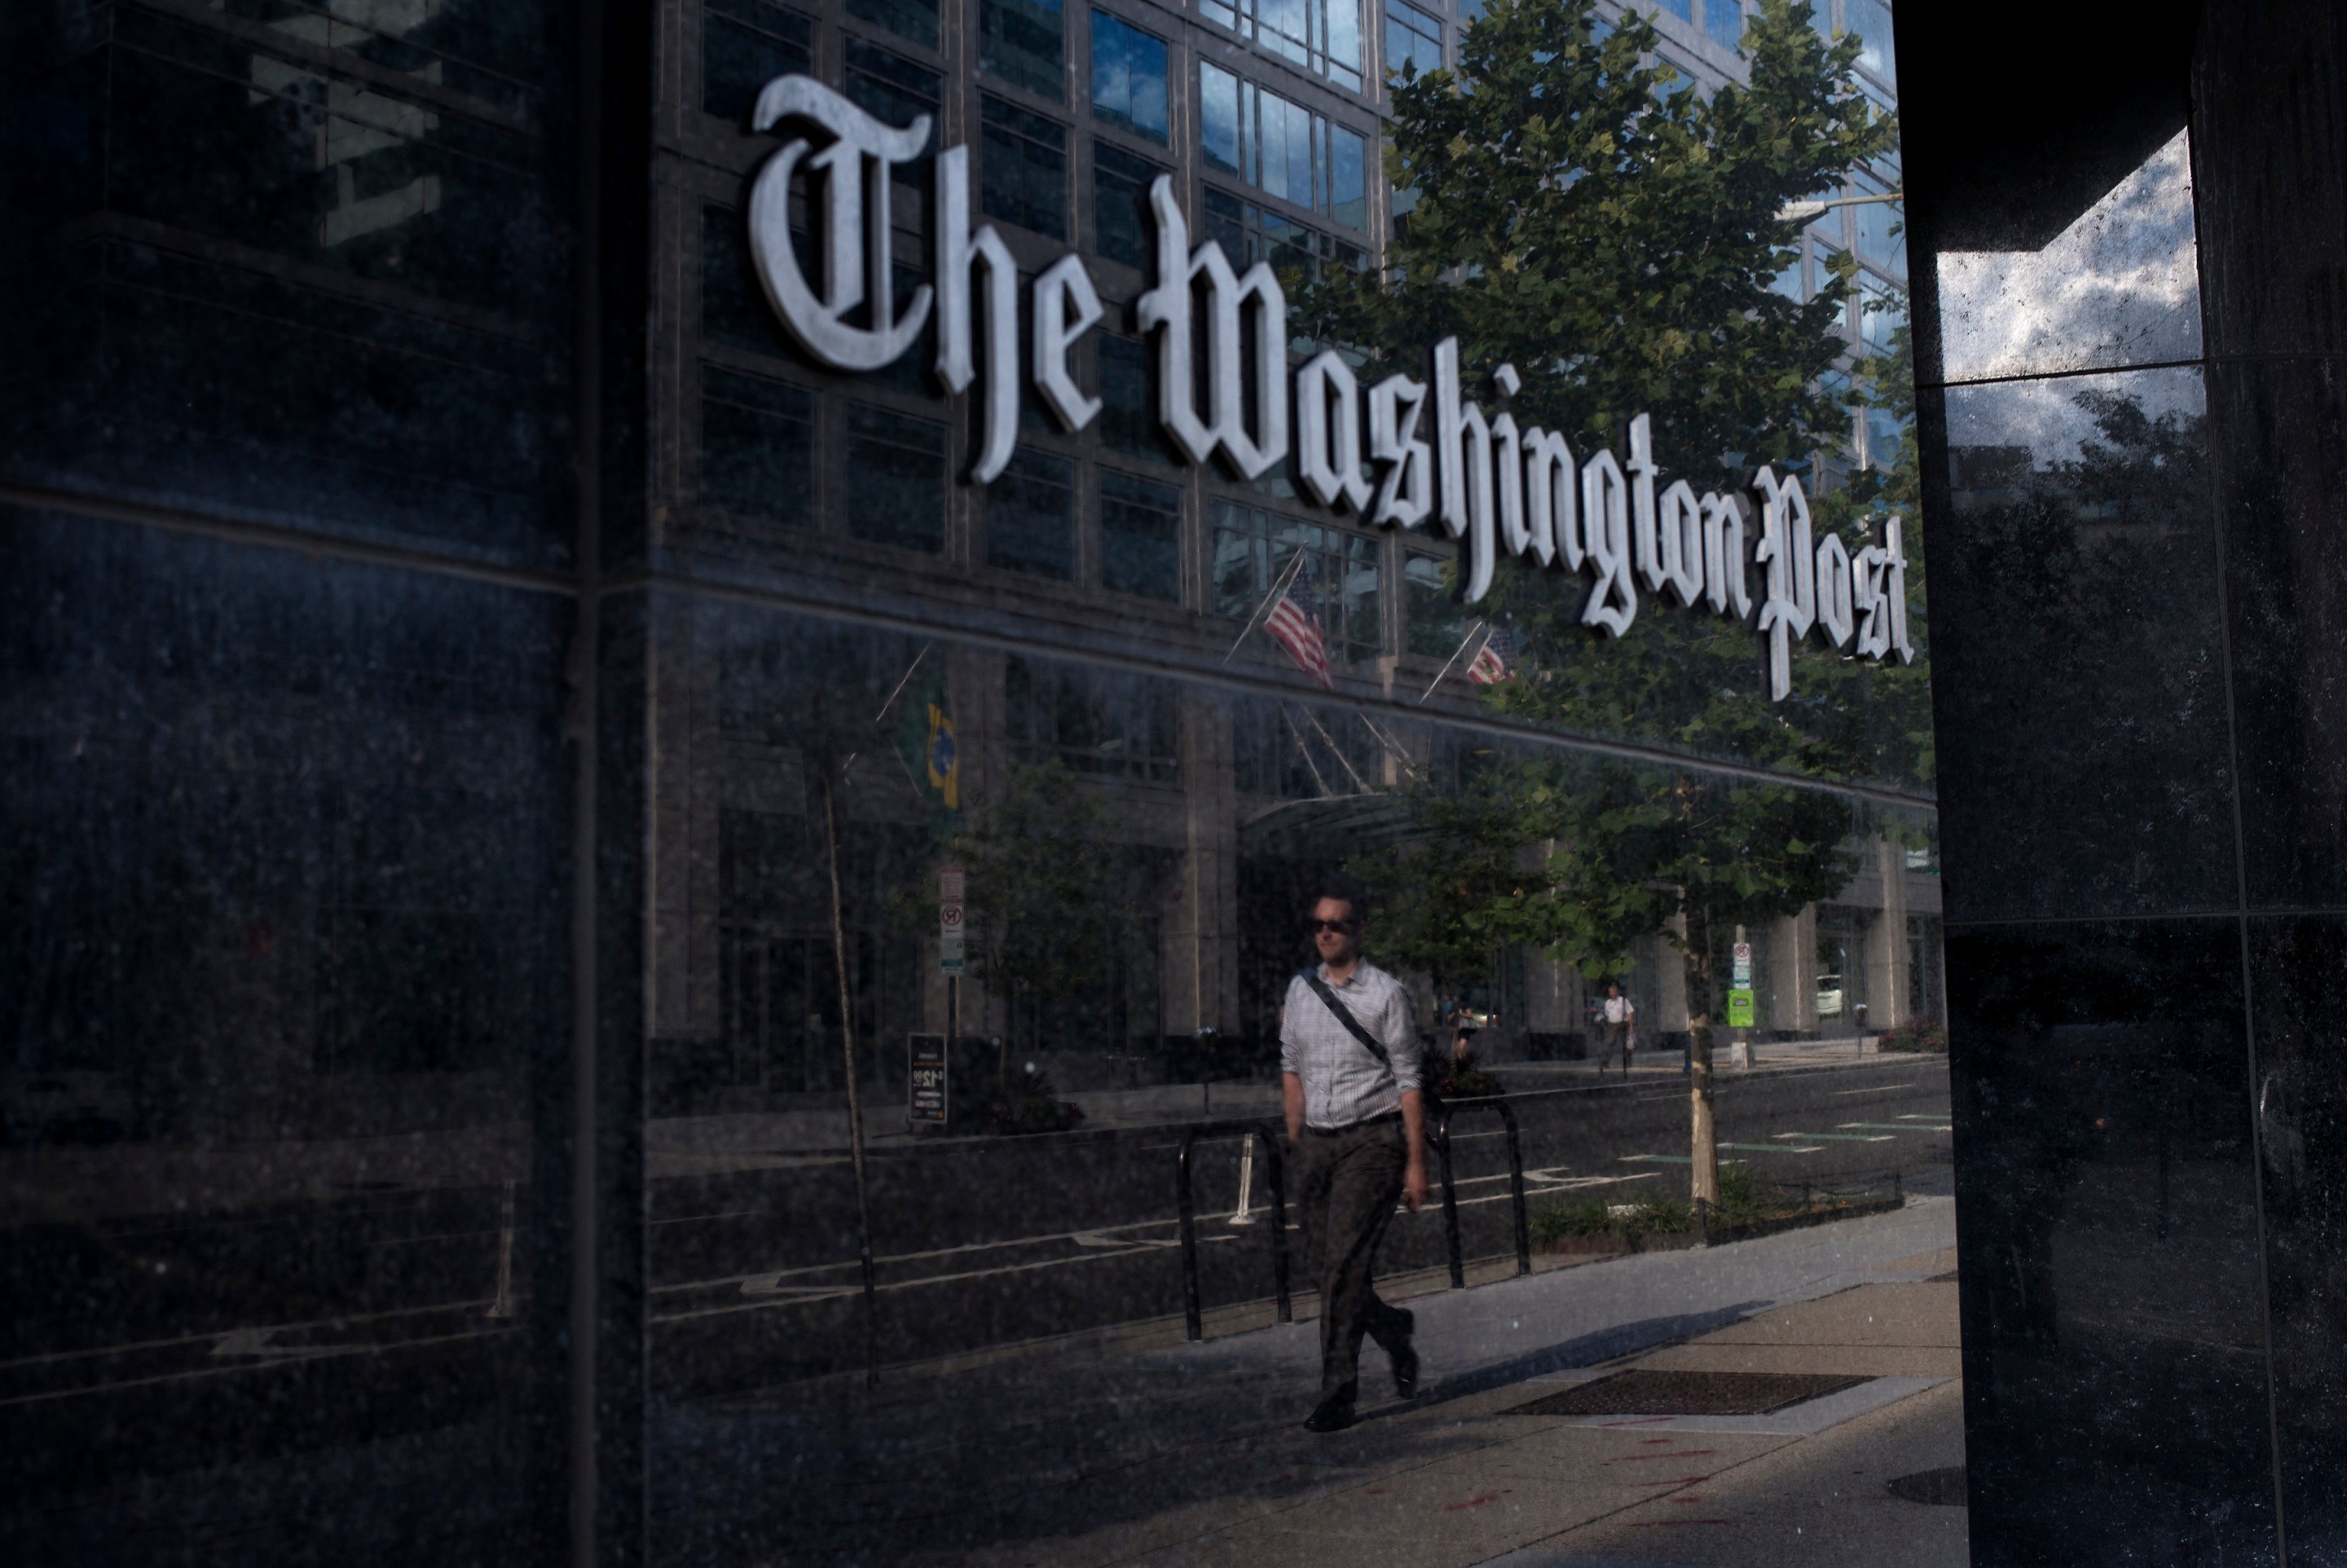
point(1442, 1142)
point(1274, 1180)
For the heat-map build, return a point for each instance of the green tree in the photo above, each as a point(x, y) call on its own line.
point(1617, 241)
point(1039, 879)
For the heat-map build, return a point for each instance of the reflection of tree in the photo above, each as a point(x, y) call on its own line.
point(2091, 574)
point(1041, 912)
point(1578, 859)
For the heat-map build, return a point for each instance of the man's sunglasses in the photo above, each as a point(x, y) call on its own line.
point(1340, 926)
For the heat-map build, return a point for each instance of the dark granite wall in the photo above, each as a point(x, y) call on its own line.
point(2130, 302)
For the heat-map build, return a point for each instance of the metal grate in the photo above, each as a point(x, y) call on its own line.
point(1647, 1393)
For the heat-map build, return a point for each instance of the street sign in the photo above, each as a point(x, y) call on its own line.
point(952, 943)
point(1739, 1008)
point(1743, 967)
point(924, 1080)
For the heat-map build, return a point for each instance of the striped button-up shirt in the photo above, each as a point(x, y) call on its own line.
point(1343, 1082)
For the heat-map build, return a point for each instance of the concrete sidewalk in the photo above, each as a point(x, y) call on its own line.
point(1123, 1448)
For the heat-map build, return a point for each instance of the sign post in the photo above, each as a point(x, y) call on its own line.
point(927, 1087)
point(1739, 1000)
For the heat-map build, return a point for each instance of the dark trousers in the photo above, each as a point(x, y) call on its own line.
point(1617, 1038)
point(1347, 1185)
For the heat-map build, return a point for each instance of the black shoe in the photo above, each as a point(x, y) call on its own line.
point(1329, 1416)
point(1405, 1358)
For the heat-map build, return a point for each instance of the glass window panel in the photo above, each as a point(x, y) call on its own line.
point(896, 90)
point(1023, 178)
point(1121, 205)
point(1226, 224)
point(1348, 180)
point(1683, 9)
point(1878, 245)
point(1218, 116)
point(1436, 625)
point(1413, 39)
point(1724, 20)
point(757, 446)
point(1870, 20)
point(1030, 517)
point(1128, 421)
point(744, 44)
point(1140, 536)
point(899, 464)
point(1343, 18)
point(1024, 42)
point(913, 19)
point(1128, 77)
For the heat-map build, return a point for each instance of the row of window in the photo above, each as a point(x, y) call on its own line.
point(758, 461)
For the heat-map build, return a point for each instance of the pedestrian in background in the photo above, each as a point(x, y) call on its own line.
point(1350, 1072)
point(1621, 1016)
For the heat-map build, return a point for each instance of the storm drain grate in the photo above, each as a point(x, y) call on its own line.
point(1643, 1393)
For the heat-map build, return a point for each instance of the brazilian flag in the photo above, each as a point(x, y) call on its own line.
point(926, 739)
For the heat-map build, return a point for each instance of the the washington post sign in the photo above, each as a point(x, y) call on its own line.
point(1381, 454)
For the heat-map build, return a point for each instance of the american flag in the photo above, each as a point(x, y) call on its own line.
point(1491, 664)
point(1296, 627)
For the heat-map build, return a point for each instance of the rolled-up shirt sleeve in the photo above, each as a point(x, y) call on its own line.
point(1398, 1033)
point(1291, 1049)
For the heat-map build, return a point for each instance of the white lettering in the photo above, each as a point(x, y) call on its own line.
point(1612, 602)
point(1405, 494)
point(1834, 594)
point(1329, 433)
point(1066, 307)
point(1166, 310)
point(1551, 486)
point(1682, 539)
point(855, 173)
point(1723, 556)
point(1791, 609)
point(957, 251)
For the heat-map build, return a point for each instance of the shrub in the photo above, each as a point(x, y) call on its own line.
point(1659, 1213)
point(1554, 1219)
point(1921, 1035)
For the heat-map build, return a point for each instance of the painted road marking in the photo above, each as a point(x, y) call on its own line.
point(1882, 1089)
point(1940, 1117)
point(1841, 1137)
point(1896, 1126)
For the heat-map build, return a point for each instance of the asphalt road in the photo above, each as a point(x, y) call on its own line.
point(185, 1338)
point(754, 1277)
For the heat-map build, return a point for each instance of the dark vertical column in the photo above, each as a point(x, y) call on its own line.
point(2271, 165)
point(607, 1512)
point(2098, 764)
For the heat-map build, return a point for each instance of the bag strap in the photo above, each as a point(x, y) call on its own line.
point(1344, 1015)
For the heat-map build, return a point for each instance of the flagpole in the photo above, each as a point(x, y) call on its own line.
point(1279, 587)
point(901, 679)
point(1480, 627)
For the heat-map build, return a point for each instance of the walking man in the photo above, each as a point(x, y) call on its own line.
point(1621, 1027)
point(1348, 1059)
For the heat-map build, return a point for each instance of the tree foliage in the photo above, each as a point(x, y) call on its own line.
point(1617, 241)
point(1039, 879)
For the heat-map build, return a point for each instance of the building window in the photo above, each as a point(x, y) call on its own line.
point(1128, 391)
point(744, 44)
point(1322, 35)
point(757, 446)
point(1870, 20)
point(733, 311)
point(1128, 77)
point(1249, 234)
point(913, 19)
point(1880, 312)
point(1024, 43)
point(1683, 9)
point(897, 91)
point(1252, 547)
point(899, 466)
point(1090, 721)
point(1413, 40)
point(1023, 175)
point(1299, 751)
point(1030, 517)
point(1724, 20)
point(1788, 282)
point(1878, 244)
point(1140, 536)
point(1281, 149)
point(1121, 205)
point(1436, 626)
